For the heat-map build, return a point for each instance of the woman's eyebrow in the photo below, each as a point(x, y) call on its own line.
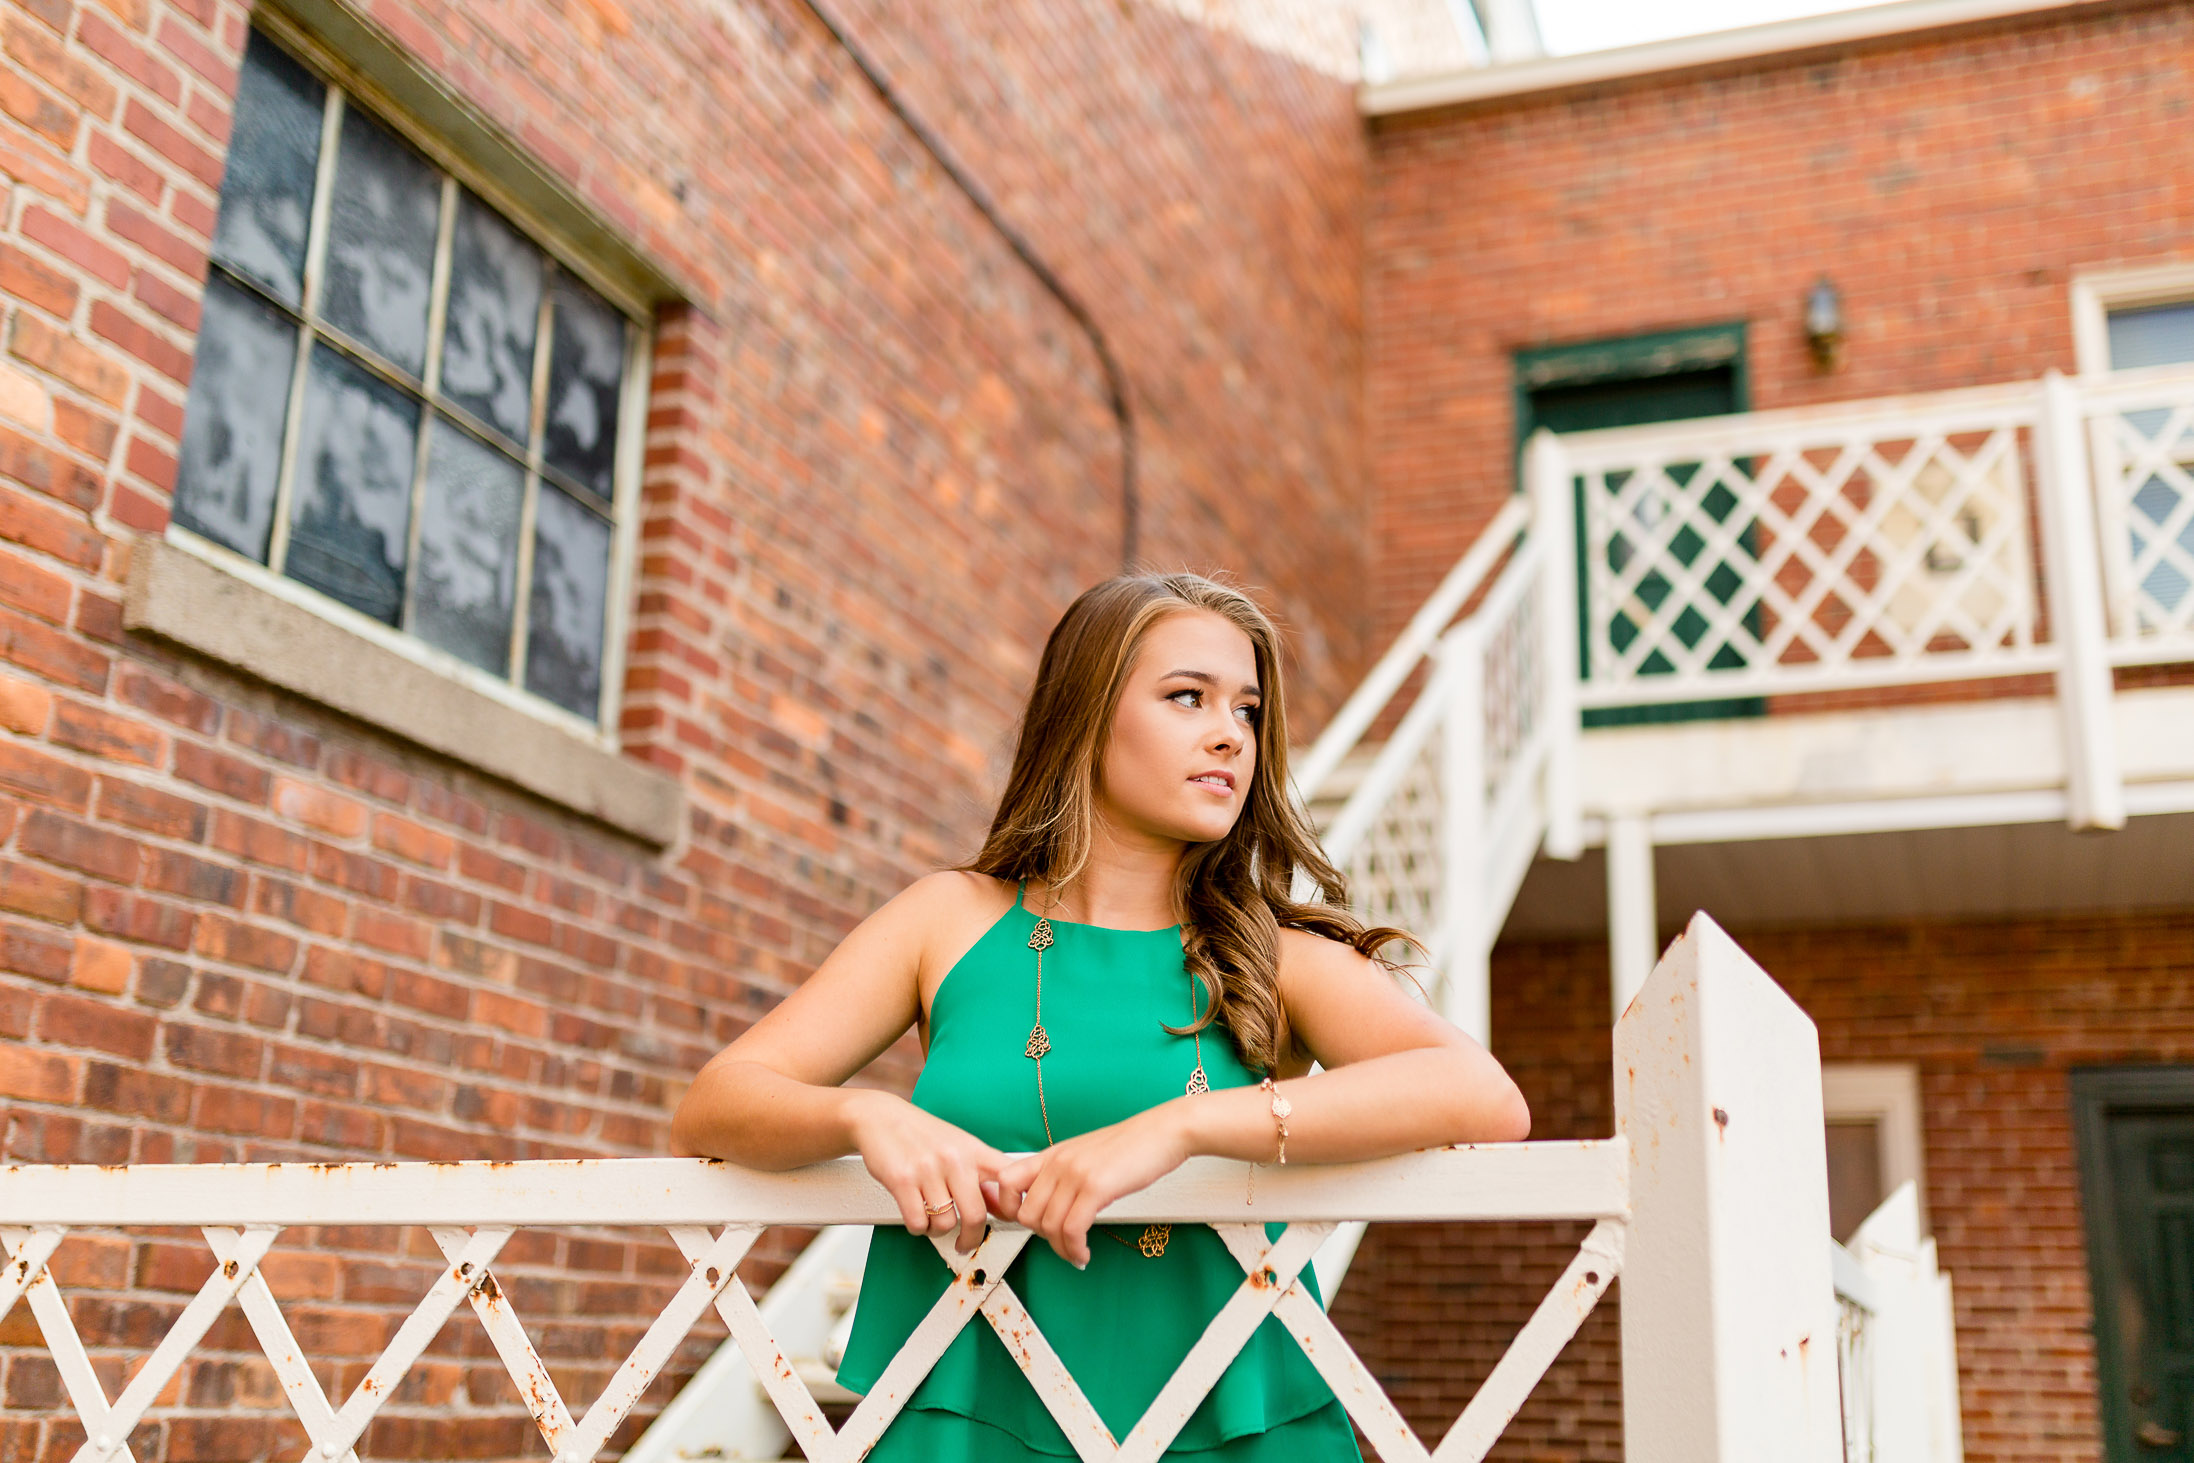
point(1210, 680)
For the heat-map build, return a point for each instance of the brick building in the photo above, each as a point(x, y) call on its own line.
point(684, 422)
point(1990, 200)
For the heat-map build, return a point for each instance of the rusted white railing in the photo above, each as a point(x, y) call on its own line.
point(1711, 1203)
point(1896, 1353)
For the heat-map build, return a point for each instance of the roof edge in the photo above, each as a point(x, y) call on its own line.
point(1687, 53)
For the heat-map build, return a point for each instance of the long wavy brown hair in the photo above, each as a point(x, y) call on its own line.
point(1235, 894)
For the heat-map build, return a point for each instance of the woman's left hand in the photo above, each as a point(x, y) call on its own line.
point(1056, 1193)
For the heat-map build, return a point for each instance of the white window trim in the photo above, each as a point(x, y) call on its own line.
point(2095, 293)
point(1886, 1094)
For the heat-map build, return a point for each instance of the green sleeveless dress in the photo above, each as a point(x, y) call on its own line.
point(1122, 1325)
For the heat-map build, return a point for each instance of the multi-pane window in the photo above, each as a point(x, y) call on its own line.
point(400, 399)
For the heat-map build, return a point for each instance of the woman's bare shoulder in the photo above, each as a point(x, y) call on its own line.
point(952, 905)
point(1306, 954)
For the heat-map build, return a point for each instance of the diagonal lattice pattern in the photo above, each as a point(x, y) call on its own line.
point(1803, 557)
point(1271, 1285)
point(1394, 870)
point(2145, 489)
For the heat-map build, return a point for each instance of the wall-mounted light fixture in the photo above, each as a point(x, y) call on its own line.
point(1824, 323)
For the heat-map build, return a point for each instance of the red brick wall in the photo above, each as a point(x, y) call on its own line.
point(1949, 185)
point(233, 926)
point(1994, 1014)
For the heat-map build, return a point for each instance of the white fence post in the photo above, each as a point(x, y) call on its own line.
point(1464, 938)
point(2095, 787)
point(1728, 1304)
point(1633, 924)
point(1554, 523)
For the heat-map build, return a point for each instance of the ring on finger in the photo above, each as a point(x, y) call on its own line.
point(936, 1209)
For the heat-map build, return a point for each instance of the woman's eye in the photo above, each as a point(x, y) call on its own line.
point(1249, 713)
point(1185, 691)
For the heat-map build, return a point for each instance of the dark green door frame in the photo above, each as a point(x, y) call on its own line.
point(1628, 381)
point(2133, 1131)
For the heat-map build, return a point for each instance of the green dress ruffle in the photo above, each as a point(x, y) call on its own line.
point(1122, 1325)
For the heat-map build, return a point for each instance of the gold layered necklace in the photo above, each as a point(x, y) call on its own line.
point(1152, 1242)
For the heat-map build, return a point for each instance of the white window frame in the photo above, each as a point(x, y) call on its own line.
point(2095, 293)
point(346, 87)
point(1886, 1094)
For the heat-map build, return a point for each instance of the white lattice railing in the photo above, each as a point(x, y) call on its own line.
point(1711, 1203)
point(2141, 434)
point(1888, 542)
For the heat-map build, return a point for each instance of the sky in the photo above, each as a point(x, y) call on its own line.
point(1570, 26)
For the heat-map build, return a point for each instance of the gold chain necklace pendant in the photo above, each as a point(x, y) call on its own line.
point(1197, 1082)
point(1153, 1240)
point(1040, 939)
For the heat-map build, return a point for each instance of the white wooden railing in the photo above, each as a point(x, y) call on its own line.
point(2034, 527)
point(1897, 1358)
point(1711, 1203)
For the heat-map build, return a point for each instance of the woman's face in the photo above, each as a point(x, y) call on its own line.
point(1184, 738)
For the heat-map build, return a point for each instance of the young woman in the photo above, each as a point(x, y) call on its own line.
point(1101, 991)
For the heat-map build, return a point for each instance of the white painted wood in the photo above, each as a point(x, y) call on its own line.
point(109, 1437)
point(2094, 786)
point(714, 1265)
point(1554, 1180)
point(465, 1271)
point(2096, 292)
point(1410, 647)
point(1554, 523)
point(771, 1371)
point(1729, 1313)
point(508, 1334)
point(1462, 944)
point(1633, 930)
point(66, 1347)
point(904, 1372)
point(1499, 1397)
point(291, 1366)
point(724, 1412)
point(1910, 1366)
point(1272, 1272)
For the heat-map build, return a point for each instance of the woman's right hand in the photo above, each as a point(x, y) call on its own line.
point(925, 1161)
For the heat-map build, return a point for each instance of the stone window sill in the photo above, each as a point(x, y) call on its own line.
point(266, 630)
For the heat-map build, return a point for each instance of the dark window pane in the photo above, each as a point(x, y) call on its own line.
point(570, 591)
point(381, 242)
point(586, 368)
point(351, 503)
point(2159, 335)
point(468, 548)
point(274, 147)
point(1854, 1175)
point(232, 423)
point(494, 305)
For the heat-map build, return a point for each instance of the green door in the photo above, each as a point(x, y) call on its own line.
point(2135, 1128)
point(1627, 383)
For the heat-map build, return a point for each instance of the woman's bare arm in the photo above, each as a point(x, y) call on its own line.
point(773, 1099)
point(1397, 1076)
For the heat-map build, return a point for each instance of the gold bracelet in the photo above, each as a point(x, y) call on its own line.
point(1281, 1107)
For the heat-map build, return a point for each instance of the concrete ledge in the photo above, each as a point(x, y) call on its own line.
point(185, 598)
